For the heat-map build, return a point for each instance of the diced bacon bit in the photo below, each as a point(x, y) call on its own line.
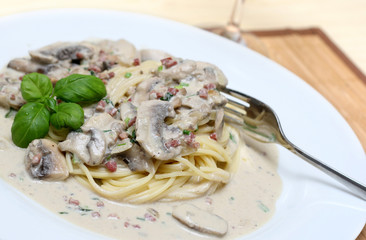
point(95, 69)
point(123, 135)
point(136, 226)
point(100, 204)
point(136, 62)
point(213, 136)
point(74, 202)
point(173, 91)
point(130, 99)
point(190, 140)
point(172, 143)
point(210, 86)
point(156, 95)
point(12, 175)
point(126, 224)
point(111, 74)
point(79, 55)
point(36, 159)
point(12, 97)
point(168, 62)
point(113, 216)
point(95, 215)
point(21, 78)
point(203, 93)
point(111, 165)
point(149, 217)
point(101, 106)
point(105, 81)
point(59, 101)
point(132, 121)
point(113, 111)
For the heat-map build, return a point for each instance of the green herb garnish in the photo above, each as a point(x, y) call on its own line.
point(128, 75)
point(186, 132)
point(181, 85)
point(63, 212)
point(167, 96)
point(127, 120)
point(232, 138)
point(133, 137)
point(33, 119)
point(263, 207)
point(160, 68)
point(121, 144)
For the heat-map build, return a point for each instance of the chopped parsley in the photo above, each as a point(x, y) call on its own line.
point(63, 212)
point(263, 207)
point(121, 144)
point(85, 209)
point(127, 120)
point(128, 75)
point(107, 130)
point(160, 68)
point(167, 96)
point(181, 85)
point(92, 73)
point(186, 132)
point(232, 138)
point(133, 137)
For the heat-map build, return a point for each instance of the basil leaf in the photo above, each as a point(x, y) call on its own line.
point(35, 87)
point(80, 88)
point(31, 122)
point(51, 104)
point(68, 115)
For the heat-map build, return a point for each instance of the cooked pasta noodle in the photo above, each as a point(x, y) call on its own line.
point(183, 177)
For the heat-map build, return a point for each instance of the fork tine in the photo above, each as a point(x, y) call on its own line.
point(237, 104)
point(236, 94)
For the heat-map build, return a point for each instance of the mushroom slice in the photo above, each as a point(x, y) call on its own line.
point(25, 65)
point(219, 122)
point(137, 160)
point(153, 54)
point(121, 147)
point(128, 112)
point(96, 147)
point(44, 160)
point(76, 143)
point(153, 134)
point(200, 220)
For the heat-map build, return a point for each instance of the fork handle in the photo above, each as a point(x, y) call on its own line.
point(356, 187)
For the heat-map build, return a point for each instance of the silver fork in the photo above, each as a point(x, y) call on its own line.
point(262, 124)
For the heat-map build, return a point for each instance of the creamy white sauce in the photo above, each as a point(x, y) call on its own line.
point(246, 203)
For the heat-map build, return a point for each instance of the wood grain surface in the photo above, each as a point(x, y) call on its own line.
point(311, 55)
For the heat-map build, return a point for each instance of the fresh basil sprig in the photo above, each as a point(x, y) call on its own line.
point(79, 88)
point(33, 119)
point(31, 122)
point(68, 115)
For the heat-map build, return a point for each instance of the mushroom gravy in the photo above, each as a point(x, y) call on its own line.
point(246, 203)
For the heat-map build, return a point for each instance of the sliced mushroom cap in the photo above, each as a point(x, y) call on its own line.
point(62, 51)
point(44, 160)
point(137, 160)
point(128, 111)
point(153, 54)
point(200, 220)
point(144, 88)
point(97, 147)
point(26, 65)
point(211, 73)
point(76, 143)
point(124, 51)
point(153, 133)
point(180, 71)
point(219, 122)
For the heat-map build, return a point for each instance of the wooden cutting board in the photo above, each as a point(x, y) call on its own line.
point(311, 55)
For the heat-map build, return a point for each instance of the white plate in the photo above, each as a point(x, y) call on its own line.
point(312, 206)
